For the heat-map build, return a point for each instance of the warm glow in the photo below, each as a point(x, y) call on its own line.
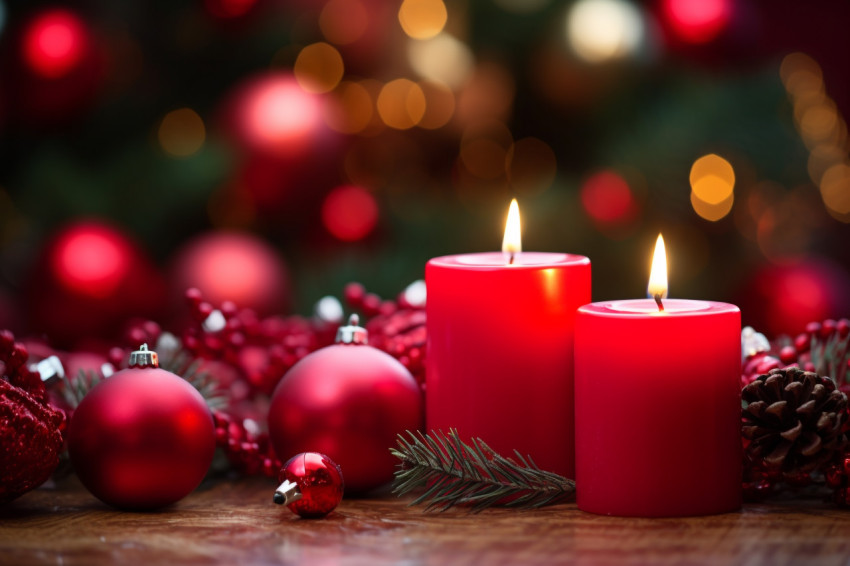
point(712, 211)
point(181, 133)
point(350, 213)
point(443, 58)
point(658, 274)
point(512, 242)
point(401, 104)
point(697, 21)
point(319, 67)
point(604, 30)
point(422, 19)
point(276, 114)
point(712, 179)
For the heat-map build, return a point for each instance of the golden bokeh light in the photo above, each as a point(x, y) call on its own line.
point(319, 67)
point(443, 58)
point(422, 19)
point(835, 191)
point(822, 157)
point(801, 75)
point(401, 104)
point(343, 21)
point(439, 105)
point(712, 212)
point(712, 180)
point(819, 123)
point(350, 108)
point(181, 133)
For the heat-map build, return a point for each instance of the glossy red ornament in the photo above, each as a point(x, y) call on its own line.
point(143, 438)
point(232, 266)
point(348, 401)
point(311, 485)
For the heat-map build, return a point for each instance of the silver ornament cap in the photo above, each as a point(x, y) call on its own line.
point(353, 333)
point(144, 358)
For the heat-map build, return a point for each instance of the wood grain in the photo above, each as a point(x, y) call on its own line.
point(235, 522)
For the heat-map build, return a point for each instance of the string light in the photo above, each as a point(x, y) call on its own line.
point(54, 43)
point(422, 19)
point(712, 181)
point(319, 68)
point(401, 104)
point(604, 30)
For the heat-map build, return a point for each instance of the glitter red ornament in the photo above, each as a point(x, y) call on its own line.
point(348, 401)
point(143, 438)
point(311, 485)
point(30, 429)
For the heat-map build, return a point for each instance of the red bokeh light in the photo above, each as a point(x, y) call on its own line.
point(275, 115)
point(608, 199)
point(91, 259)
point(349, 213)
point(54, 43)
point(697, 21)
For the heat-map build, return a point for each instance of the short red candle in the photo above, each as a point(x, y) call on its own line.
point(500, 351)
point(658, 408)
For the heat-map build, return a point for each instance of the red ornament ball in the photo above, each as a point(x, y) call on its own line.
point(348, 401)
point(311, 485)
point(232, 266)
point(141, 439)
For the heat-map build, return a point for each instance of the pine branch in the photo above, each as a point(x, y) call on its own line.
point(452, 473)
point(831, 357)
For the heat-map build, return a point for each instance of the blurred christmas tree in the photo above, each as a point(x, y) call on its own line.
point(358, 138)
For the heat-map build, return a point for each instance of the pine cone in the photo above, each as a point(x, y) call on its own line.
point(793, 421)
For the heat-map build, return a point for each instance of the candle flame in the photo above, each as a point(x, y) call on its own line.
point(658, 274)
point(512, 242)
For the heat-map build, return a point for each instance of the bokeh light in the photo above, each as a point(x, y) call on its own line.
point(91, 259)
point(697, 21)
point(55, 43)
point(835, 191)
point(350, 109)
point(422, 19)
point(608, 199)
point(443, 59)
point(712, 179)
point(604, 30)
point(319, 67)
point(344, 21)
point(276, 115)
point(712, 211)
point(349, 213)
point(439, 105)
point(401, 104)
point(181, 133)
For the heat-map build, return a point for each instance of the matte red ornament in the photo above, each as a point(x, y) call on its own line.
point(143, 438)
point(348, 401)
point(311, 485)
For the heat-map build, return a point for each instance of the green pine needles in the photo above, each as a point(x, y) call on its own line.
point(453, 473)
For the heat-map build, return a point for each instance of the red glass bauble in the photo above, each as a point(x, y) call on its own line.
point(141, 439)
point(348, 401)
point(314, 482)
point(88, 282)
point(231, 266)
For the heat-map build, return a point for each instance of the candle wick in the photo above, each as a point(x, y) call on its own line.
point(658, 302)
point(511, 259)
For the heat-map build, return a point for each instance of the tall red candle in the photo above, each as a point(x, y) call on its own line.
point(658, 408)
point(500, 350)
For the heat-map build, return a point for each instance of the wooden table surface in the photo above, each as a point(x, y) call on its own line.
point(236, 523)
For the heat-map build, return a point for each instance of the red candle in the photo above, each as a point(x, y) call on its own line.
point(658, 406)
point(500, 349)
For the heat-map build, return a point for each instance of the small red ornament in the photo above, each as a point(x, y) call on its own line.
point(30, 429)
point(311, 485)
point(143, 438)
point(348, 401)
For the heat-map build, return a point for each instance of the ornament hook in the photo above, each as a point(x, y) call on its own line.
point(353, 333)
